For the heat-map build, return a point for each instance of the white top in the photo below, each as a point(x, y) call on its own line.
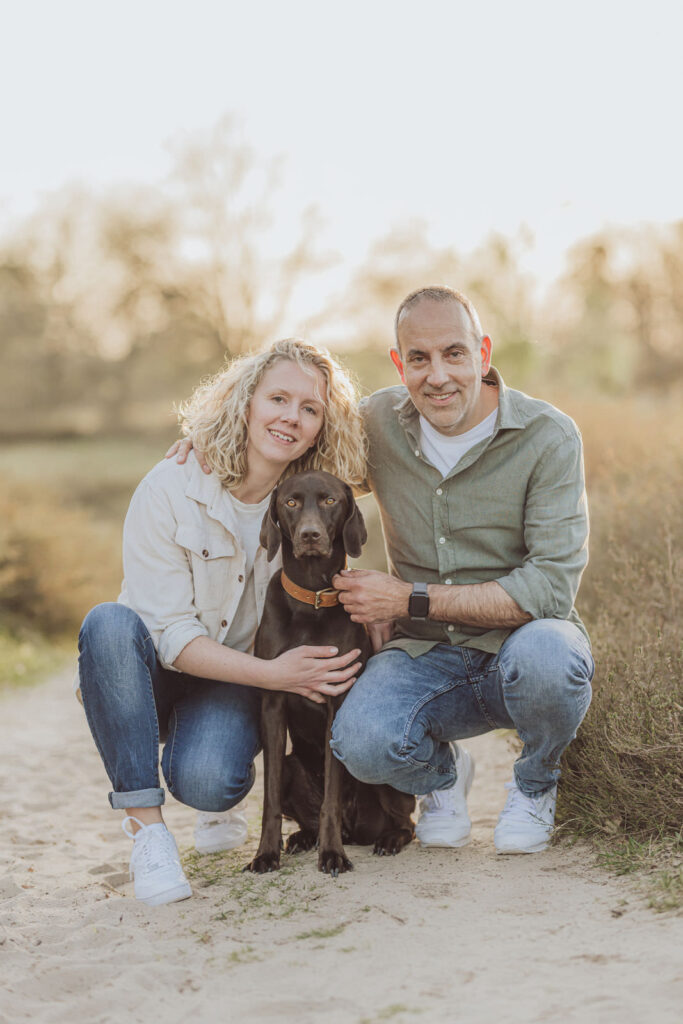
point(445, 452)
point(240, 635)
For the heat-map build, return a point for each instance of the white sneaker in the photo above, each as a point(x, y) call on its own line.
point(155, 865)
point(443, 819)
point(220, 830)
point(526, 823)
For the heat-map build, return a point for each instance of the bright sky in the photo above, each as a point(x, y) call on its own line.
point(473, 116)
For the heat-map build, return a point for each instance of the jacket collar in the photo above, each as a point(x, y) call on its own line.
point(207, 489)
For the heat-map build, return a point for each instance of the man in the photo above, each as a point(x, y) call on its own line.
point(482, 499)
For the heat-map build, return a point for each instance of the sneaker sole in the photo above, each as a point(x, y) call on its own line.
point(443, 844)
point(512, 850)
point(179, 892)
point(219, 847)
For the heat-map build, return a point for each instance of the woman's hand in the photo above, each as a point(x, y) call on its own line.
point(380, 633)
point(313, 672)
point(182, 449)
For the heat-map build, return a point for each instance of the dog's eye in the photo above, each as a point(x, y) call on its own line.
point(291, 503)
point(329, 501)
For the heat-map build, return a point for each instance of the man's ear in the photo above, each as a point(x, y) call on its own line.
point(395, 357)
point(354, 533)
point(485, 355)
point(270, 535)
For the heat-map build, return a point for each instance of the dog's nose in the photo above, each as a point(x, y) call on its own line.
point(310, 533)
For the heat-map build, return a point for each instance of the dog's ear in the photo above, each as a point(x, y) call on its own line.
point(270, 535)
point(353, 531)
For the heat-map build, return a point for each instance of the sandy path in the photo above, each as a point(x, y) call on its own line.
point(449, 936)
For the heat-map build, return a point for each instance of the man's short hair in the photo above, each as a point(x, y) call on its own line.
point(438, 293)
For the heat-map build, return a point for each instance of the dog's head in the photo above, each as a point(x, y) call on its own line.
point(313, 509)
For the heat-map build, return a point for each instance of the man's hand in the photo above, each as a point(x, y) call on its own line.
point(182, 449)
point(372, 597)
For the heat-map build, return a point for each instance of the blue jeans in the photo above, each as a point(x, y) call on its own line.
point(210, 729)
point(397, 721)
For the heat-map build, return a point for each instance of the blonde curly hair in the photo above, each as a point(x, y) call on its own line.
point(215, 417)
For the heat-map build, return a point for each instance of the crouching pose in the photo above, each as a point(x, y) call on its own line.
point(172, 660)
point(483, 506)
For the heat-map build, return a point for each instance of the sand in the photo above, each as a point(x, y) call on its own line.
point(432, 935)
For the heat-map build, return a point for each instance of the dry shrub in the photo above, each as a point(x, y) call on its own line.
point(56, 561)
point(624, 772)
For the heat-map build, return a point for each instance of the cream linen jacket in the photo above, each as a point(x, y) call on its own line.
point(183, 561)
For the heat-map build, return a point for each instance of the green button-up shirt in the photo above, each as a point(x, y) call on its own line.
point(512, 510)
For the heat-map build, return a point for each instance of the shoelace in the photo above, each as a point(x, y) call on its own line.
point(159, 840)
point(438, 801)
point(519, 807)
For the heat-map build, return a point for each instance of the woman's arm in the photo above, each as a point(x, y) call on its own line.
point(313, 672)
point(159, 586)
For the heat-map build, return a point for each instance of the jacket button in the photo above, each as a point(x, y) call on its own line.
point(224, 623)
point(240, 579)
point(205, 553)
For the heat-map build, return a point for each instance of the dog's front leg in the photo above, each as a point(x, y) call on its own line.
point(274, 738)
point(331, 856)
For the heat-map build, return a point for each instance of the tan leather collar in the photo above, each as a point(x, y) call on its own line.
point(326, 598)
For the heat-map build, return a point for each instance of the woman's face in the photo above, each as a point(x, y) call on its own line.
point(286, 413)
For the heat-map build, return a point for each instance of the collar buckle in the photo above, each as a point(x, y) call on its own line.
point(319, 594)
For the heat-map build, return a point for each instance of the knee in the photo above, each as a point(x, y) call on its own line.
point(547, 658)
point(364, 746)
point(209, 789)
point(108, 629)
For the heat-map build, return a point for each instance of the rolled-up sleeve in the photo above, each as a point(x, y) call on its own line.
point(158, 575)
point(555, 535)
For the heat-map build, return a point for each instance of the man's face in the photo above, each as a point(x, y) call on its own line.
point(443, 363)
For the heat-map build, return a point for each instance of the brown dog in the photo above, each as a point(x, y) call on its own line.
point(314, 517)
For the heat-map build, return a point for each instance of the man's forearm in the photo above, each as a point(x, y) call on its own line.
point(372, 597)
point(485, 605)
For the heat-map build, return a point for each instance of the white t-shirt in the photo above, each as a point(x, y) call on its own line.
point(240, 635)
point(445, 452)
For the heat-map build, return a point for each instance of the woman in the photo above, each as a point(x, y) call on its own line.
point(171, 660)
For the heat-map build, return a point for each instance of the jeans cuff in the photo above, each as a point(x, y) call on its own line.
point(137, 798)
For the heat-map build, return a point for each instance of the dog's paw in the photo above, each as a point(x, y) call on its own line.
point(391, 843)
point(300, 842)
point(263, 863)
point(334, 862)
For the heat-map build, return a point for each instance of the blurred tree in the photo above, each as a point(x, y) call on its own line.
point(405, 260)
point(618, 310)
point(225, 197)
point(115, 304)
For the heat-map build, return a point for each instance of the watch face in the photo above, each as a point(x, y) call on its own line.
point(418, 606)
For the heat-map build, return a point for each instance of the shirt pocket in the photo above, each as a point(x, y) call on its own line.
point(211, 556)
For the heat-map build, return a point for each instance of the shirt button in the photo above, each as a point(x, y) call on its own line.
point(439, 490)
point(417, 451)
point(205, 553)
point(442, 540)
point(451, 628)
point(240, 579)
point(224, 623)
point(449, 581)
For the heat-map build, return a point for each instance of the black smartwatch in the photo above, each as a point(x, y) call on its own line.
point(418, 603)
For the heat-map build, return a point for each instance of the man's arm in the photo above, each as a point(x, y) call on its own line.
point(372, 597)
point(543, 586)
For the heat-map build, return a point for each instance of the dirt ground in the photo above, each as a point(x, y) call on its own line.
point(433, 935)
